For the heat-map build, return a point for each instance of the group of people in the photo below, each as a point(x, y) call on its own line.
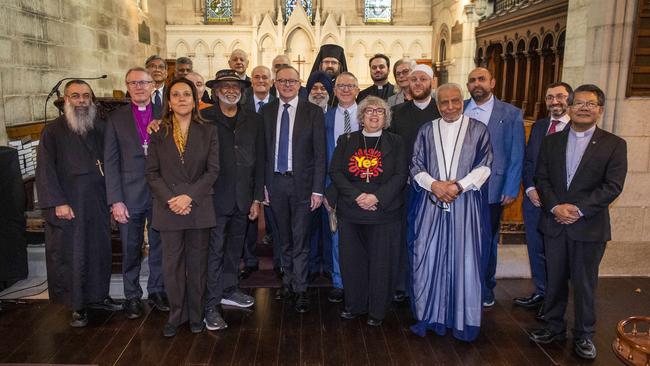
point(393, 192)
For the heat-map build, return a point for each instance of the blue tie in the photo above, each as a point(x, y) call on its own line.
point(283, 147)
point(260, 104)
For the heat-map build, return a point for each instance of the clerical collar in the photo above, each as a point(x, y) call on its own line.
point(422, 105)
point(371, 134)
point(142, 109)
point(380, 87)
point(582, 134)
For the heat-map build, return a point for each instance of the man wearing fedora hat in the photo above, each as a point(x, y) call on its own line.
point(238, 191)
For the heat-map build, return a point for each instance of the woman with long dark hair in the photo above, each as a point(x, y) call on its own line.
point(182, 166)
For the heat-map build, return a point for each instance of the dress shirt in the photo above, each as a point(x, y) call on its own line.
point(256, 102)
point(293, 104)
point(162, 94)
point(576, 146)
point(564, 120)
point(480, 112)
point(339, 120)
point(472, 181)
point(422, 105)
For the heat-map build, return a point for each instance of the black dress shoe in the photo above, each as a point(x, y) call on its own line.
point(545, 336)
point(283, 293)
point(133, 308)
point(247, 271)
point(349, 315)
point(399, 296)
point(159, 300)
point(335, 295)
point(541, 316)
point(107, 304)
point(169, 330)
point(197, 327)
point(79, 319)
point(530, 302)
point(303, 303)
point(584, 348)
point(374, 322)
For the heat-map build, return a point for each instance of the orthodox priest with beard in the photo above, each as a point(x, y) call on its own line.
point(72, 194)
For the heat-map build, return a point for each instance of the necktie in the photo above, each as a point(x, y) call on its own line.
point(260, 104)
point(283, 144)
point(157, 105)
point(347, 128)
point(553, 127)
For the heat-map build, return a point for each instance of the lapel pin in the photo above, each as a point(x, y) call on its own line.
point(593, 142)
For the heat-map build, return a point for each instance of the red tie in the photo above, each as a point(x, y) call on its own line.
point(552, 130)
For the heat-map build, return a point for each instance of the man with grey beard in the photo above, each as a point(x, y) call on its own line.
point(72, 194)
point(238, 192)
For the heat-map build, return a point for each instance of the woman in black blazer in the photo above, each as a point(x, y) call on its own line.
point(182, 166)
point(368, 175)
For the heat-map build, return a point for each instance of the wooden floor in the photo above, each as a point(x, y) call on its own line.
point(273, 334)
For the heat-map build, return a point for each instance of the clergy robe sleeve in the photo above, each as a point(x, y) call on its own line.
point(515, 167)
point(156, 182)
point(112, 166)
point(48, 186)
point(419, 161)
point(543, 177)
point(260, 152)
point(319, 150)
point(480, 172)
point(611, 185)
point(395, 184)
point(203, 185)
point(338, 167)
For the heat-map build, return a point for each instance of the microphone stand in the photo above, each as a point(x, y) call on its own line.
point(55, 90)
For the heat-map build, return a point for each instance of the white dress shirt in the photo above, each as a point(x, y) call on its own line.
point(480, 112)
point(293, 105)
point(162, 94)
point(256, 102)
point(339, 120)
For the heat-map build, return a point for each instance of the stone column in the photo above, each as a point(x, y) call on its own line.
point(504, 75)
point(514, 100)
point(524, 103)
point(540, 86)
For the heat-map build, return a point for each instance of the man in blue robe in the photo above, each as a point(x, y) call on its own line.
point(449, 219)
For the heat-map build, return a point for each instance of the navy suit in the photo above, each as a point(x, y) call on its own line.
point(125, 182)
point(507, 137)
point(534, 239)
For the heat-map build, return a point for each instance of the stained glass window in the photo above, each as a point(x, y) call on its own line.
point(289, 5)
point(378, 11)
point(218, 11)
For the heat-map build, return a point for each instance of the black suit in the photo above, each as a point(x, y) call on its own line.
point(574, 251)
point(241, 180)
point(290, 194)
point(125, 182)
point(184, 238)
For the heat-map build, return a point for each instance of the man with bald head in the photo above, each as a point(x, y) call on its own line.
point(408, 117)
point(450, 213)
point(505, 124)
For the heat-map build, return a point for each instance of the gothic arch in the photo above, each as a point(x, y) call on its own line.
point(235, 45)
point(296, 27)
point(533, 43)
point(329, 38)
point(395, 50)
point(263, 39)
point(181, 48)
point(378, 47)
point(218, 46)
point(200, 43)
point(416, 50)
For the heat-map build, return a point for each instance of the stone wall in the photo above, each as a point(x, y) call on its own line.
point(598, 45)
point(44, 41)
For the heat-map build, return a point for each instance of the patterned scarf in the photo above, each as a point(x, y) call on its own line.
point(180, 139)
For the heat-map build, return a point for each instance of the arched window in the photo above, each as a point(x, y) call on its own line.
point(218, 11)
point(289, 5)
point(443, 50)
point(378, 11)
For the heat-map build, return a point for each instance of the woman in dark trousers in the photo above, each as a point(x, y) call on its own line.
point(182, 166)
point(368, 175)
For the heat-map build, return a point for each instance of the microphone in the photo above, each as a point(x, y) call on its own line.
point(55, 89)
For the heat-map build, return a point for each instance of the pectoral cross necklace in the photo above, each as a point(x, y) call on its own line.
point(366, 151)
point(99, 165)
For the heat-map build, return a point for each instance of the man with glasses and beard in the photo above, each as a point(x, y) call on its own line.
point(379, 69)
point(238, 192)
point(407, 120)
point(72, 194)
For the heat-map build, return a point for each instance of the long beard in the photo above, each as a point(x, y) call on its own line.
point(321, 102)
point(80, 119)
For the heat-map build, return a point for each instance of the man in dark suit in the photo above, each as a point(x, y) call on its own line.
point(557, 96)
point(157, 67)
point(505, 124)
point(125, 150)
point(295, 177)
point(580, 172)
point(238, 192)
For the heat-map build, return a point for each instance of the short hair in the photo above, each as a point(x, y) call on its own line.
point(558, 84)
point(348, 74)
point(154, 58)
point(265, 68)
point(373, 100)
point(238, 50)
point(135, 69)
point(79, 82)
point(404, 60)
point(284, 67)
point(589, 88)
point(196, 74)
point(449, 86)
point(379, 55)
point(185, 61)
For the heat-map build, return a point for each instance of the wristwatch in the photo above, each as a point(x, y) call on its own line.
point(460, 188)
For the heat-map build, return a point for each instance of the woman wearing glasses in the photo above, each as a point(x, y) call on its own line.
point(368, 175)
point(182, 166)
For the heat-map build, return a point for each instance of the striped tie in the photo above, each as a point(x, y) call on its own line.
point(347, 127)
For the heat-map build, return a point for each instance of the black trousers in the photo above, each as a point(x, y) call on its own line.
point(226, 244)
point(185, 254)
point(369, 257)
point(576, 262)
point(292, 216)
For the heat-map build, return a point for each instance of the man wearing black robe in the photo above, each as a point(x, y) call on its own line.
point(72, 194)
point(331, 60)
point(379, 69)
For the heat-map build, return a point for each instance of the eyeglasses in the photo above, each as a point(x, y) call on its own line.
point(345, 86)
point(289, 82)
point(403, 72)
point(77, 96)
point(559, 97)
point(377, 111)
point(141, 83)
point(330, 62)
point(582, 104)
